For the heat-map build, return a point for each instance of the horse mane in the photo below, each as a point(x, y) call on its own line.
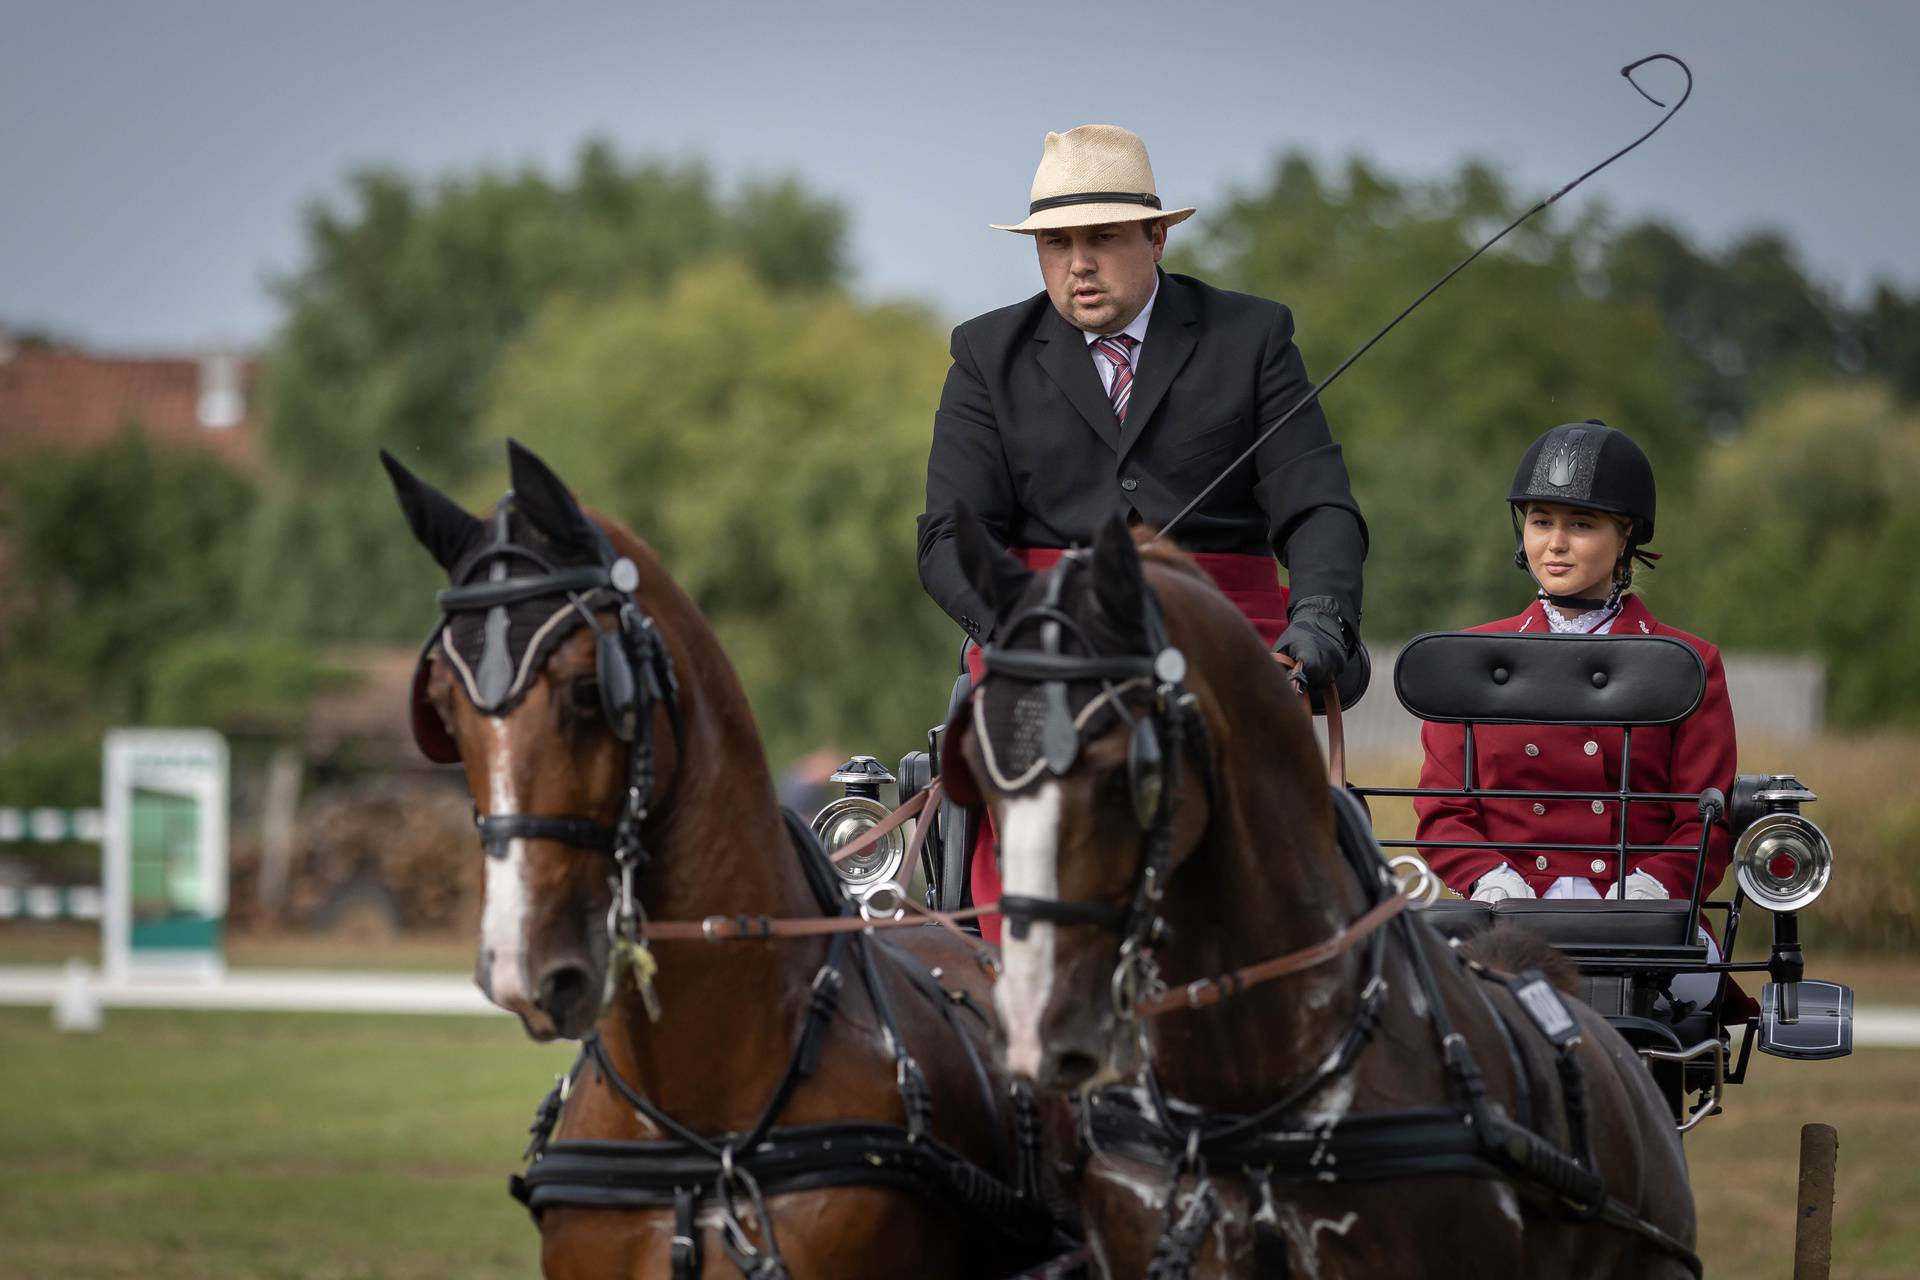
point(1509, 949)
point(1167, 553)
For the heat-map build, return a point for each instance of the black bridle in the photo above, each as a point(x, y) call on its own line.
point(634, 670)
point(1157, 747)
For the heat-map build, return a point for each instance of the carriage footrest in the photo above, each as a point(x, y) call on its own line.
point(1806, 1020)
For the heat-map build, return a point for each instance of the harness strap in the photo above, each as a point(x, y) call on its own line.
point(1021, 911)
point(609, 1173)
point(1205, 992)
point(497, 830)
point(686, 1235)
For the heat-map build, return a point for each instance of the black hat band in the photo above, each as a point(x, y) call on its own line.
point(1146, 198)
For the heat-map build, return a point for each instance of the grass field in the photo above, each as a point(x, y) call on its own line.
point(334, 1147)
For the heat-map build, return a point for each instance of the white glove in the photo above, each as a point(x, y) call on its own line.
point(1501, 882)
point(1640, 885)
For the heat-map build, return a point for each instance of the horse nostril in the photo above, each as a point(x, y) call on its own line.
point(561, 989)
point(1072, 1067)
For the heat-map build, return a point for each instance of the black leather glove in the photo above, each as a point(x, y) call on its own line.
point(1316, 638)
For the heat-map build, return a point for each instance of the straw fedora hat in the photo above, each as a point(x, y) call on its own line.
point(1095, 174)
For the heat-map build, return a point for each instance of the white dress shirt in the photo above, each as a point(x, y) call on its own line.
point(1137, 330)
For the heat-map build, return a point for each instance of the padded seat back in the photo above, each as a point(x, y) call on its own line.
point(1504, 678)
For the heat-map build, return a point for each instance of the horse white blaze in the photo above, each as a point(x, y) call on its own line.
point(503, 917)
point(1029, 866)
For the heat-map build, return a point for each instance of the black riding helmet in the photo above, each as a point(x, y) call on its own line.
point(1587, 464)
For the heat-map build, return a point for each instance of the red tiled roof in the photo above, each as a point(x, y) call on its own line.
point(52, 397)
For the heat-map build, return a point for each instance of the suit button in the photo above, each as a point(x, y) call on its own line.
point(1592, 748)
point(1598, 807)
point(1598, 865)
point(1129, 485)
point(1532, 750)
point(1540, 863)
point(1538, 807)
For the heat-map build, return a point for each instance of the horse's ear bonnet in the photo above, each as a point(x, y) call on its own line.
point(1030, 724)
point(502, 622)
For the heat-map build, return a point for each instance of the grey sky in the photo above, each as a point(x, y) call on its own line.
point(155, 156)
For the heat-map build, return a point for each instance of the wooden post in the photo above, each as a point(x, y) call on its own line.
point(1813, 1221)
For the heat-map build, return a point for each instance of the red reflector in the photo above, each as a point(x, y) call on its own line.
point(1781, 866)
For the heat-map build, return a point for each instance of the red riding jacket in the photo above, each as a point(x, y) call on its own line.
point(1687, 757)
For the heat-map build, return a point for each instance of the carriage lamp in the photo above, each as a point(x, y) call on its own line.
point(1783, 861)
point(858, 811)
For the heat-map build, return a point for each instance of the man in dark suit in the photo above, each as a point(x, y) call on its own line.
point(1121, 388)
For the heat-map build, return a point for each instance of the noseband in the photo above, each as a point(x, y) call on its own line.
point(633, 668)
point(1157, 747)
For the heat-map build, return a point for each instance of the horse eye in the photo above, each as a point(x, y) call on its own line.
point(584, 695)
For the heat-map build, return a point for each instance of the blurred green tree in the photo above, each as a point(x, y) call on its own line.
point(770, 447)
point(396, 322)
point(115, 552)
point(1746, 322)
point(1798, 541)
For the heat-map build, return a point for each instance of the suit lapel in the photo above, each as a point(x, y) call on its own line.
point(1064, 355)
point(1171, 337)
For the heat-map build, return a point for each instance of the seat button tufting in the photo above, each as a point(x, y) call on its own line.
point(1500, 675)
point(1599, 679)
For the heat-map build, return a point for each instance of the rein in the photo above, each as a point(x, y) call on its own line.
point(1203, 992)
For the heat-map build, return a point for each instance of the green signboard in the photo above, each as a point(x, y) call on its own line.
point(164, 851)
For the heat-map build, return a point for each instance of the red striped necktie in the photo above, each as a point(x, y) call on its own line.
point(1117, 348)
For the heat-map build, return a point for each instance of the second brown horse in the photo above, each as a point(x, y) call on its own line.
point(1383, 1111)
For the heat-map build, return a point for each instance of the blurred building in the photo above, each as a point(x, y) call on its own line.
point(56, 396)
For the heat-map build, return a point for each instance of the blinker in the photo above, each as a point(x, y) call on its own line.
point(616, 684)
point(1146, 771)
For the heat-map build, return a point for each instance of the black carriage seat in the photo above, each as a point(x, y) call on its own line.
point(1586, 928)
point(1614, 681)
point(1607, 939)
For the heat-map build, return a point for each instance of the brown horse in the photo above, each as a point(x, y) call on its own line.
point(805, 1106)
point(1380, 1109)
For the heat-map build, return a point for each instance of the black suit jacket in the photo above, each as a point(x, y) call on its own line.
point(1024, 435)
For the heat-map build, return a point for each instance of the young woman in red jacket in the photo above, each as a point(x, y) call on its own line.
point(1583, 507)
